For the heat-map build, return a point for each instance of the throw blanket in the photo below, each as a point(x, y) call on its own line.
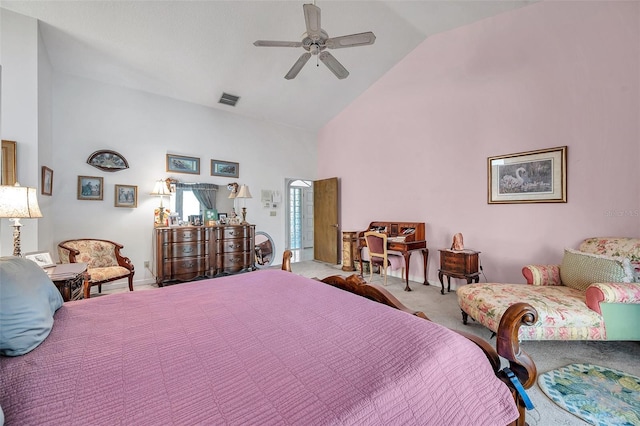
point(266, 347)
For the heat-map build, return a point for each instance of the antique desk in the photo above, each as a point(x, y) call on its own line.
point(403, 237)
point(461, 264)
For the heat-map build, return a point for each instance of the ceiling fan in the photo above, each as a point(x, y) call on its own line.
point(316, 40)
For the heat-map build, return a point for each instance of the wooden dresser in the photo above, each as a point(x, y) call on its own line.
point(182, 253)
point(187, 252)
point(234, 247)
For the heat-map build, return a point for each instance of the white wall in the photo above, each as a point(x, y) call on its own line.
point(19, 97)
point(46, 224)
point(89, 116)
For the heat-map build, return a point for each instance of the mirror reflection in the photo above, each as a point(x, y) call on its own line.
point(264, 249)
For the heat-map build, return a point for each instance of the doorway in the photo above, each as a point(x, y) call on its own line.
point(299, 218)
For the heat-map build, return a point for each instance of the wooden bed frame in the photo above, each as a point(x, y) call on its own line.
point(507, 344)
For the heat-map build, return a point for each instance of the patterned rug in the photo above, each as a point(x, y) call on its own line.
point(598, 395)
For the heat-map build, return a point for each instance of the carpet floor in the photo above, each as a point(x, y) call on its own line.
point(444, 309)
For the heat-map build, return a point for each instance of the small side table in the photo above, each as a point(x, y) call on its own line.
point(71, 279)
point(461, 264)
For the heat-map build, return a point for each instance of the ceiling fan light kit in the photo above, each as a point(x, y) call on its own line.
point(316, 40)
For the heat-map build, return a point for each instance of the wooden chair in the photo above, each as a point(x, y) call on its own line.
point(104, 261)
point(379, 255)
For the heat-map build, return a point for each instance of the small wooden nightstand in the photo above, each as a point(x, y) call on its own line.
point(70, 279)
point(461, 264)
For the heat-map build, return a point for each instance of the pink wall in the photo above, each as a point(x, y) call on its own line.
point(546, 75)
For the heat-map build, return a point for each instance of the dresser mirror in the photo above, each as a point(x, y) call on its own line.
point(264, 248)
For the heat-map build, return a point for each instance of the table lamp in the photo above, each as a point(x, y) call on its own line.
point(17, 202)
point(244, 193)
point(160, 189)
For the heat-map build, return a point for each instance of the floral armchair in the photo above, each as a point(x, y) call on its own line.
point(104, 261)
point(593, 295)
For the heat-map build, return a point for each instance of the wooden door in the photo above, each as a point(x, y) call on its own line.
point(326, 229)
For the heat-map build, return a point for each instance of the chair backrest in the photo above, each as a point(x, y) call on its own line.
point(613, 246)
point(377, 245)
point(95, 253)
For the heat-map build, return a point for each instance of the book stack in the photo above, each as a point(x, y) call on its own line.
point(65, 271)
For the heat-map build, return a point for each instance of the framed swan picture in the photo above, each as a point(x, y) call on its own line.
point(528, 177)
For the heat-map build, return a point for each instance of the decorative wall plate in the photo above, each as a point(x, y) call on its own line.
point(108, 161)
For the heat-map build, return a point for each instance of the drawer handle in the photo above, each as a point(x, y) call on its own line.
point(236, 260)
point(186, 235)
point(234, 246)
point(188, 265)
point(232, 232)
point(187, 249)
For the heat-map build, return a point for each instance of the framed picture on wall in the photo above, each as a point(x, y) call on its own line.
point(528, 177)
point(90, 188)
point(225, 168)
point(126, 196)
point(46, 184)
point(182, 164)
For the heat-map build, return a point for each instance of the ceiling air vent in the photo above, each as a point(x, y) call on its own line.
point(228, 99)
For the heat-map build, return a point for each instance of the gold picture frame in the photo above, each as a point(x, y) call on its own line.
point(183, 164)
point(528, 177)
point(8, 166)
point(90, 188)
point(126, 196)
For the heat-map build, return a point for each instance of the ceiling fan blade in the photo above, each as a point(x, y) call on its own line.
point(352, 40)
point(270, 43)
point(312, 19)
point(295, 69)
point(333, 64)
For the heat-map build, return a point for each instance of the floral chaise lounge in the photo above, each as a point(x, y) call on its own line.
point(593, 295)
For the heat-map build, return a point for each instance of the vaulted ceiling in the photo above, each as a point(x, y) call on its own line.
point(195, 50)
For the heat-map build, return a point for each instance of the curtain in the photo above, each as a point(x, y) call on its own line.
point(206, 194)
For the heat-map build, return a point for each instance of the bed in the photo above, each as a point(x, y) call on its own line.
point(265, 347)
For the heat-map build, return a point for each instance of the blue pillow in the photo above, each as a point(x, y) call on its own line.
point(28, 300)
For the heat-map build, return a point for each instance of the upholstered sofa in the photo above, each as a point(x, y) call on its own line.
point(594, 294)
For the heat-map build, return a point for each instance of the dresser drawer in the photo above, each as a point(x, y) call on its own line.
point(180, 235)
point(234, 245)
point(187, 265)
point(461, 263)
point(234, 262)
point(184, 250)
point(234, 232)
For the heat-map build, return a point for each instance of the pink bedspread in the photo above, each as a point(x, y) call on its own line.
point(267, 347)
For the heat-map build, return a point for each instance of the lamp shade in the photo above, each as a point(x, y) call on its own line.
point(160, 188)
point(19, 202)
point(244, 192)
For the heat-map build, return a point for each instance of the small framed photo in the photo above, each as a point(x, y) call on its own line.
point(528, 177)
point(174, 219)
point(90, 188)
point(126, 196)
point(42, 258)
point(182, 164)
point(225, 168)
point(46, 183)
